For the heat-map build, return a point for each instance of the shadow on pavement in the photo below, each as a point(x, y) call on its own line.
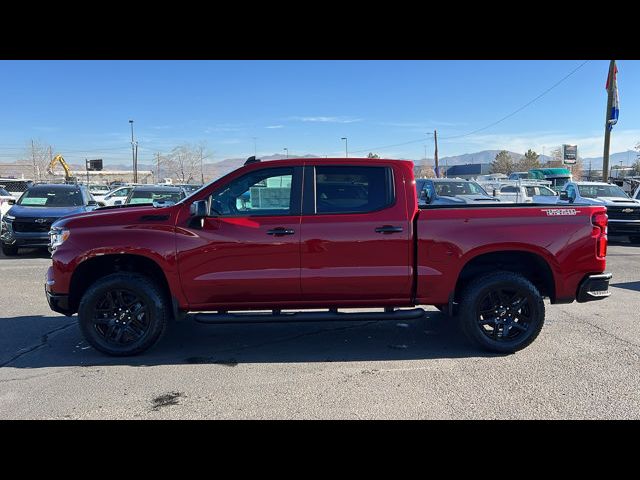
point(627, 285)
point(28, 253)
point(434, 336)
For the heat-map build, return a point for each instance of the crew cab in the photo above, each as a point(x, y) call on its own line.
point(26, 224)
point(328, 234)
point(623, 212)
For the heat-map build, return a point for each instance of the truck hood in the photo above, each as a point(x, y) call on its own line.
point(114, 215)
point(614, 201)
point(21, 211)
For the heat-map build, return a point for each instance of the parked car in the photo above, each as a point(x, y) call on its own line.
point(519, 176)
point(518, 192)
point(323, 234)
point(119, 194)
point(27, 223)
point(154, 195)
point(447, 191)
point(623, 212)
point(99, 191)
point(6, 200)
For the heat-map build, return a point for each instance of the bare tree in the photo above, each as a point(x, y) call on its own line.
point(38, 154)
point(183, 163)
point(424, 171)
point(556, 158)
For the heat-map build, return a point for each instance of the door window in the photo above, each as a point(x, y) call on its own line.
point(351, 189)
point(264, 192)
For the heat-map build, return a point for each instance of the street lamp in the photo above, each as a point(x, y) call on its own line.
point(134, 148)
point(286, 150)
point(346, 147)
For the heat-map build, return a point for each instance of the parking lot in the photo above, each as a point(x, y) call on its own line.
point(584, 365)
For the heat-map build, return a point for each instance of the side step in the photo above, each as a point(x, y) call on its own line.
point(220, 318)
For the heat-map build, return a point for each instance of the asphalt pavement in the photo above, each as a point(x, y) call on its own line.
point(584, 365)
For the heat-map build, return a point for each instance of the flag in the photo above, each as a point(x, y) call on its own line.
point(615, 104)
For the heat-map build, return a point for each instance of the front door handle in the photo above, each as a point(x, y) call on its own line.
point(388, 229)
point(278, 232)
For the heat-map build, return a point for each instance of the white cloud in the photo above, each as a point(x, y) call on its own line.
point(274, 126)
point(328, 119)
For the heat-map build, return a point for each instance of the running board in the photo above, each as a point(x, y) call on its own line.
point(219, 318)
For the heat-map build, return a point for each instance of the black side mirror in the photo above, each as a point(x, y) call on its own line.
point(199, 209)
point(11, 201)
point(564, 195)
point(92, 203)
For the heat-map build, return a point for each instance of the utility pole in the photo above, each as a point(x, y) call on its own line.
point(86, 167)
point(50, 160)
point(435, 155)
point(607, 125)
point(33, 158)
point(134, 154)
point(157, 167)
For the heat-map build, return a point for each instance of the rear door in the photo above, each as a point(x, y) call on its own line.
point(356, 233)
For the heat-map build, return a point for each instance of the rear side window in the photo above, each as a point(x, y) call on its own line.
point(351, 189)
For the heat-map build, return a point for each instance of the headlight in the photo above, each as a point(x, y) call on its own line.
point(57, 236)
point(10, 218)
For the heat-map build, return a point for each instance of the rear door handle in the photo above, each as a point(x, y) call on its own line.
point(278, 232)
point(389, 229)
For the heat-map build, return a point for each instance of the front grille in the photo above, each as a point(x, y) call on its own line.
point(31, 226)
point(618, 213)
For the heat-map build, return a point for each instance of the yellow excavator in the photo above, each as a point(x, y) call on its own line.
point(67, 171)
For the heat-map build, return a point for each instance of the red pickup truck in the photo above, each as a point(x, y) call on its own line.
point(309, 234)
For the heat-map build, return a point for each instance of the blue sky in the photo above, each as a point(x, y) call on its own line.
point(82, 108)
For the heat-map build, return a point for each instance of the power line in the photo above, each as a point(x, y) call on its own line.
point(491, 124)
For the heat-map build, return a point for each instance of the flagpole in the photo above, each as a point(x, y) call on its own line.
point(607, 126)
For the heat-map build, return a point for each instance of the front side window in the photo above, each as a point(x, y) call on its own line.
point(352, 189)
point(264, 192)
point(594, 191)
point(509, 189)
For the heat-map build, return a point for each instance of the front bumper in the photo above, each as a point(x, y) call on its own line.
point(594, 287)
point(59, 303)
point(621, 227)
point(18, 239)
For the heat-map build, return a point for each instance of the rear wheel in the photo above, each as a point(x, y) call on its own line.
point(123, 314)
point(9, 251)
point(501, 312)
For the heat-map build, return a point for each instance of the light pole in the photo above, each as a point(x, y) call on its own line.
point(133, 155)
point(346, 147)
point(286, 150)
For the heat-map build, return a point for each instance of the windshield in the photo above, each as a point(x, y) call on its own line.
point(452, 189)
point(51, 197)
point(593, 191)
point(149, 196)
point(559, 182)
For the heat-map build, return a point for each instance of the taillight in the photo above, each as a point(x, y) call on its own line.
point(600, 220)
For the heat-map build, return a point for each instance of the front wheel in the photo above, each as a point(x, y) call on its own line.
point(9, 251)
point(123, 314)
point(501, 312)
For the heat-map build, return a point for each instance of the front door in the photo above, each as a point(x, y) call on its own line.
point(248, 250)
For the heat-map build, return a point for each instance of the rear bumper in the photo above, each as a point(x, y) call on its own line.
point(594, 287)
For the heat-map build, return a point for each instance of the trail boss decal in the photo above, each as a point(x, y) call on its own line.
point(560, 211)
